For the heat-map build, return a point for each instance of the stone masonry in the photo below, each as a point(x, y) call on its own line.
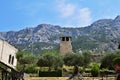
point(65, 45)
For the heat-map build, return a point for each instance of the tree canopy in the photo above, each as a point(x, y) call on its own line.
point(107, 60)
point(50, 59)
point(73, 59)
point(116, 61)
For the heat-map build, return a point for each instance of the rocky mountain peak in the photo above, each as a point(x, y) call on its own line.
point(42, 26)
point(117, 18)
point(46, 27)
point(107, 23)
point(116, 22)
point(101, 23)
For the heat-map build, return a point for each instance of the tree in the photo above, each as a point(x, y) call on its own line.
point(25, 58)
point(106, 61)
point(58, 62)
point(41, 62)
point(50, 59)
point(95, 70)
point(116, 64)
point(58, 59)
point(19, 55)
point(116, 61)
point(73, 59)
point(28, 59)
point(87, 58)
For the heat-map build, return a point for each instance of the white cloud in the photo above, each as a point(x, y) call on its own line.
point(65, 9)
point(74, 14)
point(84, 16)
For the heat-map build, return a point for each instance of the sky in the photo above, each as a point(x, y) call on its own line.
point(19, 14)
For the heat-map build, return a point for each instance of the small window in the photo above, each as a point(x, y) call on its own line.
point(63, 38)
point(9, 59)
point(67, 38)
point(12, 59)
point(119, 46)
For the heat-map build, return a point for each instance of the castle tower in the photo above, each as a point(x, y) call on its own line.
point(65, 45)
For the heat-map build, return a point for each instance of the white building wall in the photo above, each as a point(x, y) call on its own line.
point(5, 51)
point(0, 48)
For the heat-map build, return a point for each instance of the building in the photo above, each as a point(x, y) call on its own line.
point(65, 45)
point(8, 54)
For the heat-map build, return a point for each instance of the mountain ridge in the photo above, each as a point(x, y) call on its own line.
point(104, 34)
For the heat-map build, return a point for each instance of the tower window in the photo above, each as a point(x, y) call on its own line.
point(12, 59)
point(63, 38)
point(119, 46)
point(67, 38)
point(9, 59)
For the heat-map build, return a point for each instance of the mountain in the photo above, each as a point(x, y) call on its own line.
point(102, 35)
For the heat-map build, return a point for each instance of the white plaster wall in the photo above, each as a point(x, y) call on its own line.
point(6, 50)
point(0, 48)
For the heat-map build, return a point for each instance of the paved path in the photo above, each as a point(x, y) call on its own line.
point(47, 78)
point(65, 78)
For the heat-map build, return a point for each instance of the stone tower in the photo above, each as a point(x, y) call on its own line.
point(65, 45)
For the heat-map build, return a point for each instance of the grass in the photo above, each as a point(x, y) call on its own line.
point(65, 78)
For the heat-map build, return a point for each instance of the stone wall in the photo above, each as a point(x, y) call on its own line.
point(65, 45)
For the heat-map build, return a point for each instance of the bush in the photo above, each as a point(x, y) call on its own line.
point(57, 73)
point(95, 71)
point(107, 60)
point(116, 61)
point(81, 70)
point(30, 69)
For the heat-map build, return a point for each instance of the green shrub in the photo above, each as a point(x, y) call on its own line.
point(81, 70)
point(30, 69)
point(116, 61)
point(57, 73)
point(19, 67)
point(95, 71)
